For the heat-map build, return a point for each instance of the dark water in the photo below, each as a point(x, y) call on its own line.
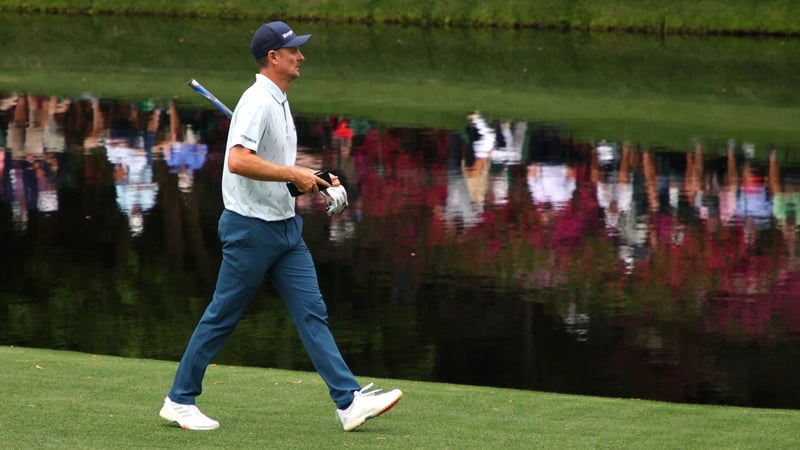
point(504, 253)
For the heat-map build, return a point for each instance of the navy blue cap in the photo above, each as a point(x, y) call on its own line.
point(272, 36)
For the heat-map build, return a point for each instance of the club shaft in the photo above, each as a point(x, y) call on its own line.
point(199, 88)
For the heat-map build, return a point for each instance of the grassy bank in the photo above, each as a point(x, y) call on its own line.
point(656, 91)
point(650, 16)
point(55, 399)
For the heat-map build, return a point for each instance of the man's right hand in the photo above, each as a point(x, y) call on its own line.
point(308, 181)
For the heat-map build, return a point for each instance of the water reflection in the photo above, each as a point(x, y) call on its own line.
point(34, 141)
point(605, 268)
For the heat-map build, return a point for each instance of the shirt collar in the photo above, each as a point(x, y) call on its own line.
point(271, 87)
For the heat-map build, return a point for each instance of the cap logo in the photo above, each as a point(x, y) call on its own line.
point(287, 35)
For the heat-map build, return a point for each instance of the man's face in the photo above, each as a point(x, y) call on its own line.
point(288, 62)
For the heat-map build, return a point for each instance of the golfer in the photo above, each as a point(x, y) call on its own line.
point(261, 235)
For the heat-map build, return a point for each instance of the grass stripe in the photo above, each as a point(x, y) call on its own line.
point(60, 399)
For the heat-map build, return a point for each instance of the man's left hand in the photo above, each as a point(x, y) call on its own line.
point(335, 198)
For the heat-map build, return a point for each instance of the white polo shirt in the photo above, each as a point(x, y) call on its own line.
point(261, 122)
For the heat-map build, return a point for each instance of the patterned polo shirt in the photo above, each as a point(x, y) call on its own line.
point(262, 122)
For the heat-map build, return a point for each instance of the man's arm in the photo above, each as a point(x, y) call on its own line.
point(244, 162)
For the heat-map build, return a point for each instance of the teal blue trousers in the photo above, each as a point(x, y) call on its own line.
point(251, 249)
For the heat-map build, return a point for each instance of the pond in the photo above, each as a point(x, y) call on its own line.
point(502, 251)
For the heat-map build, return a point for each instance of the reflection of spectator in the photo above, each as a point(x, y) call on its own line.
point(551, 176)
point(508, 152)
point(753, 206)
point(510, 142)
point(459, 211)
point(671, 170)
point(614, 185)
point(7, 102)
point(97, 136)
point(665, 174)
point(665, 229)
point(130, 152)
point(32, 137)
point(615, 197)
point(343, 159)
point(550, 185)
point(184, 156)
point(54, 146)
point(35, 136)
point(4, 169)
point(47, 183)
point(23, 191)
point(693, 178)
point(476, 166)
point(133, 179)
point(481, 136)
point(730, 186)
point(785, 195)
point(344, 226)
point(342, 133)
point(54, 140)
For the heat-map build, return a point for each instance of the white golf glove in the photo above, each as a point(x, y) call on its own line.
point(336, 199)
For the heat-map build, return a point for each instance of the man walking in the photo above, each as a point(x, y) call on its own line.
point(261, 235)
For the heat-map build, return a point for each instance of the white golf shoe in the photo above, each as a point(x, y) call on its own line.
point(188, 417)
point(367, 405)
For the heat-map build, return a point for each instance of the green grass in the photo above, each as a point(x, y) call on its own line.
point(658, 92)
point(58, 399)
point(651, 16)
